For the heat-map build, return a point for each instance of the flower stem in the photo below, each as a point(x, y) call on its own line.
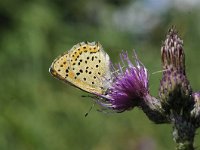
point(183, 134)
point(153, 109)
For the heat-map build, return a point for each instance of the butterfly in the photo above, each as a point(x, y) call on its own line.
point(86, 66)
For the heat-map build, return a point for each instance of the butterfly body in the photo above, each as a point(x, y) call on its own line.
point(85, 66)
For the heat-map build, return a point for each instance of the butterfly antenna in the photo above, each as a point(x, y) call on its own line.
point(87, 113)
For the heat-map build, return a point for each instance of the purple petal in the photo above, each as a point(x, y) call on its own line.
point(128, 86)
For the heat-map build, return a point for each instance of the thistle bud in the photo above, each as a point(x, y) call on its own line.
point(174, 89)
point(172, 53)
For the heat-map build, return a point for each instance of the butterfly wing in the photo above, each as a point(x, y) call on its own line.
point(85, 66)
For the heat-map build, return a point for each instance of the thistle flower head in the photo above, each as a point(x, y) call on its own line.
point(172, 52)
point(129, 85)
point(175, 89)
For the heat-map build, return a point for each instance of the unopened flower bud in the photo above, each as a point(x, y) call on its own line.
point(175, 89)
point(172, 52)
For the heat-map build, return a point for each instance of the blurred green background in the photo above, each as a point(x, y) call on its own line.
point(38, 112)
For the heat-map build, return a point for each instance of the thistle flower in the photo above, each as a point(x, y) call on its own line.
point(172, 53)
point(129, 85)
point(174, 89)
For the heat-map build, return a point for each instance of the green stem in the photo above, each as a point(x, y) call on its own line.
point(183, 133)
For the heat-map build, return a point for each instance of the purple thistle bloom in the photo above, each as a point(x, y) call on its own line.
point(129, 85)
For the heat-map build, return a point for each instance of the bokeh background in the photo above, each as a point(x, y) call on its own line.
point(38, 112)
